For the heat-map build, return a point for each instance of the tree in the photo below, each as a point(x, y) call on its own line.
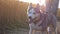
point(52, 5)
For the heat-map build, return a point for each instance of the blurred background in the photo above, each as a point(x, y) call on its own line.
point(13, 15)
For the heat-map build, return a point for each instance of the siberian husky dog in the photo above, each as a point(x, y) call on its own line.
point(33, 18)
point(40, 21)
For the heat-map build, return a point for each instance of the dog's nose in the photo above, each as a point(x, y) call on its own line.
point(29, 17)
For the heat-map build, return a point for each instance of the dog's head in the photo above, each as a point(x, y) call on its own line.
point(33, 14)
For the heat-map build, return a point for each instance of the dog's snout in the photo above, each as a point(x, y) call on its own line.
point(29, 17)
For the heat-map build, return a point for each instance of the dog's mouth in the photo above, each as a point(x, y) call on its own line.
point(30, 18)
point(35, 20)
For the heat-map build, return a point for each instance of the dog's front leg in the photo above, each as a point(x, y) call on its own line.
point(31, 30)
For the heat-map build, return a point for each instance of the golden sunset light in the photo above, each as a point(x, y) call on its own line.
point(41, 2)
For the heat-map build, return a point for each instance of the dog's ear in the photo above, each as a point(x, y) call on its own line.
point(29, 6)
